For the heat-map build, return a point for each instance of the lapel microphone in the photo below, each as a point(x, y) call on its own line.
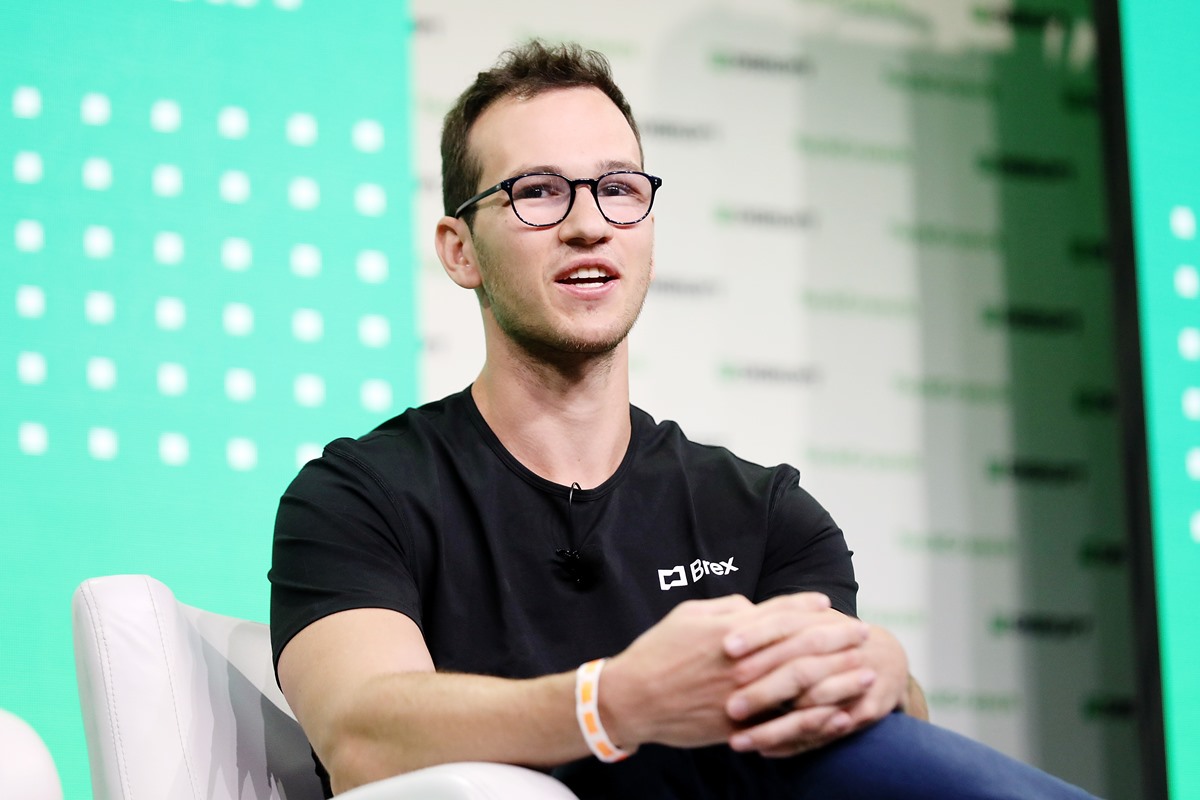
point(580, 568)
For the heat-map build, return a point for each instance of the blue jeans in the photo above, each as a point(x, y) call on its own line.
point(898, 758)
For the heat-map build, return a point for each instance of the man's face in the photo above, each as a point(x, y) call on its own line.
point(576, 287)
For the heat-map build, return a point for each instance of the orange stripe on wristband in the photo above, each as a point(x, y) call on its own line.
point(587, 712)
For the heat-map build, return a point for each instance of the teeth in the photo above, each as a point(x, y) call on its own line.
point(587, 272)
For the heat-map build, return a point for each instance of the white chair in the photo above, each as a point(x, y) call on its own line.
point(26, 768)
point(182, 703)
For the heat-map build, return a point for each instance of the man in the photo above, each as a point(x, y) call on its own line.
point(438, 583)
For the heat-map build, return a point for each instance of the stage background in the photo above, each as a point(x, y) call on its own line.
point(881, 257)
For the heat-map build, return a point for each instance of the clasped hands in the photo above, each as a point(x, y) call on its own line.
point(781, 677)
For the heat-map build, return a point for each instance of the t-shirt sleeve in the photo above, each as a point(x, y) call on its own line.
point(806, 551)
point(339, 544)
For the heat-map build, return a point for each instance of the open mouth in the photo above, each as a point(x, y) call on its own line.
point(587, 276)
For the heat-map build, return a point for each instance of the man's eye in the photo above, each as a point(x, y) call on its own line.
point(537, 190)
point(619, 187)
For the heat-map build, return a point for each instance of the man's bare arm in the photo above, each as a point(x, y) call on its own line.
point(363, 686)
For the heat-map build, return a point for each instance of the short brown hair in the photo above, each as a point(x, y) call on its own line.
point(524, 71)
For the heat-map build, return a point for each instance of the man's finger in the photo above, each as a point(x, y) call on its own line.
point(796, 679)
point(828, 636)
point(773, 620)
point(794, 732)
point(839, 689)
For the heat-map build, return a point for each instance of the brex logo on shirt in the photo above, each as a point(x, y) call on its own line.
point(678, 576)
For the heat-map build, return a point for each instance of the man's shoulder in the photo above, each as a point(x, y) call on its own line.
point(665, 439)
point(414, 434)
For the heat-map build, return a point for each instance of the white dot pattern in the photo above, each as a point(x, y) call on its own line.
point(308, 325)
point(101, 373)
point(370, 200)
point(304, 194)
point(1183, 222)
point(170, 173)
point(170, 314)
point(27, 167)
point(374, 330)
point(95, 109)
point(31, 368)
point(97, 174)
point(29, 236)
point(1189, 344)
point(242, 454)
point(167, 180)
point(1187, 281)
point(309, 451)
point(372, 266)
point(309, 390)
point(168, 248)
point(236, 254)
point(27, 102)
point(306, 261)
point(97, 241)
point(99, 308)
point(32, 438)
point(172, 379)
point(376, 395)
point(367, 136)
point(102, 444)
point(233, 122)
point(1191, 403)
point(301, 130)
point(238, 319)
point(239, 385)
point(1193, 463)
point(173, 449)
point(165, 116)
point(235, 187)
point(31, 302)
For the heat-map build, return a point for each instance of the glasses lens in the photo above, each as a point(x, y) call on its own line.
point(624, 196)
point(541, 199)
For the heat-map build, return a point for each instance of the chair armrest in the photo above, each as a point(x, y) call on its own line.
point(26, 767)
point(467, 780)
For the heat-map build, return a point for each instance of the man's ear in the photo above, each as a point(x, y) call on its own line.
point(456, 250)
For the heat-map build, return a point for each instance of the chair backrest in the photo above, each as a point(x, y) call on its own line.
point(181, 703)
point(26, 768)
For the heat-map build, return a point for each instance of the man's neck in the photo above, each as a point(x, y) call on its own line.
point(567, 422)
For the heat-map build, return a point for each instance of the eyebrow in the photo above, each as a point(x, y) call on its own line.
point(605, 166)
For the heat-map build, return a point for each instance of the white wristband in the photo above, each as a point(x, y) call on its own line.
point(587, 711)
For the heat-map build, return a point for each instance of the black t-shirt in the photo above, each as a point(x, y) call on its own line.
point(509, 574)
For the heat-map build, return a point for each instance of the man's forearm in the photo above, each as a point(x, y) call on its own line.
point(401, 722)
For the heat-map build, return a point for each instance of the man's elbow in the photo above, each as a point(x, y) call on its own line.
point(353, 760)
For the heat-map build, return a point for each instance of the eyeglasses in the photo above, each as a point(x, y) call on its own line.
point(542, 199)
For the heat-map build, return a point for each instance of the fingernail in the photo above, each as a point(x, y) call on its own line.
point(841, 722)
point(867, 678)
point(735, 645)
point(740, 741)
point(738, 708)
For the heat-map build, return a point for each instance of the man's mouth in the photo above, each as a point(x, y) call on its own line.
point(587, 276)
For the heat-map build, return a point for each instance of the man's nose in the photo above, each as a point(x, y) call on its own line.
point(584, 220)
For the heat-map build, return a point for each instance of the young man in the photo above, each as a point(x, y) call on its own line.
point(437, 584)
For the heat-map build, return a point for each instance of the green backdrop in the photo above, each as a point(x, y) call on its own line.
point(206, 249)
point(1161, 65)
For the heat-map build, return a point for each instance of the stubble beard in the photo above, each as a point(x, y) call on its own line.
point(540, 338)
